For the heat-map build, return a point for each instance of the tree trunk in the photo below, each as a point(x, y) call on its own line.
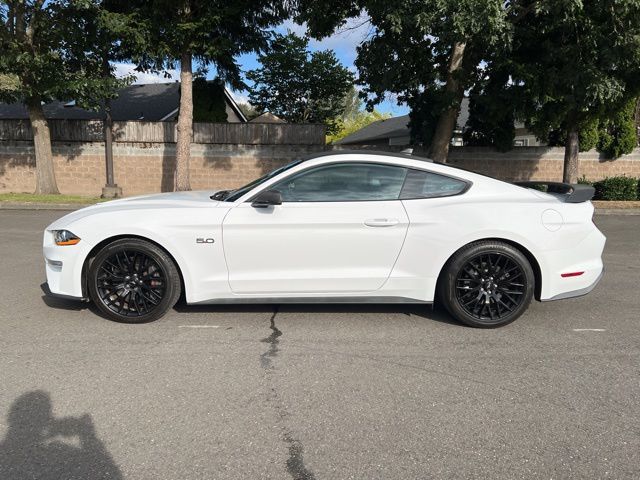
point(185, 124)
point(45, 176)
point(571, 149)
point(439, 148)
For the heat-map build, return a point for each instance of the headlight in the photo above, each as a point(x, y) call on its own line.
point(64, 237)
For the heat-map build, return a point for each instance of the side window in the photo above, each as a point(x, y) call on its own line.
point(344, 183)
point(421, 184)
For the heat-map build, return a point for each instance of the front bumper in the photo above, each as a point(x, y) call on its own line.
point(63, 267)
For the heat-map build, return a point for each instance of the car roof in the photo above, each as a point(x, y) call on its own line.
point(368, 152)
point(400, 159)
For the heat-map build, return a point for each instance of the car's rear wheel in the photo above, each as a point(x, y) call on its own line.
point(133, 281)
point(487, 284)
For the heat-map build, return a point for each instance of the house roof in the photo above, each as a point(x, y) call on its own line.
point(153, 102)
point(380, 129)
point(267, 117)
point(394, 127)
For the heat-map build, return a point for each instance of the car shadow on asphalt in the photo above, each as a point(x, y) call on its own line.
point(437, 313)
point(425, 311)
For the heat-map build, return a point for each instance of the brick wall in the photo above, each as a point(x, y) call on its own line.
point(148, 167)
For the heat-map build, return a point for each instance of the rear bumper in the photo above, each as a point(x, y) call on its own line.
point(585, 257)
point(577, 293)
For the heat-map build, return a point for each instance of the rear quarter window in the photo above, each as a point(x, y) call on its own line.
point(421, 184)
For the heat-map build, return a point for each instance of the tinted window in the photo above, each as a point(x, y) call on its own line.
point(233, 195)
point(421, 184)
point(344, 183)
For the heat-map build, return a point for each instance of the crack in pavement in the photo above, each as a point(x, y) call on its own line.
point(295, 462)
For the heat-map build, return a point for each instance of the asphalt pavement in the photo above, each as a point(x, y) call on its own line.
point(317, 392)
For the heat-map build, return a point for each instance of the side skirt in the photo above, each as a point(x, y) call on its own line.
point(356, 300)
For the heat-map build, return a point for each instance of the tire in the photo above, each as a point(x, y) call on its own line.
point(487, 284)
point(133, 281)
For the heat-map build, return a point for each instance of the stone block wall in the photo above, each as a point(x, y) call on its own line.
point(148, 167)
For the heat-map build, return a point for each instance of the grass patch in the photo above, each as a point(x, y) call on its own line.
point(31, 198)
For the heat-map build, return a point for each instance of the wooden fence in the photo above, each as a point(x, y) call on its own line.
point(165, 132)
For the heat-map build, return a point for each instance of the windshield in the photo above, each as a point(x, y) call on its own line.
point(234, 195)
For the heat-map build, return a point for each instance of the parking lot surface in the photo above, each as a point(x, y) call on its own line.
point(318, 392)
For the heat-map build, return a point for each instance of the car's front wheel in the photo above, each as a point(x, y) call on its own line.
point(133, 281)
point(487, 284)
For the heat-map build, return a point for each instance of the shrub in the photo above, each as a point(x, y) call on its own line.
point(583, 181)
point(616, 188)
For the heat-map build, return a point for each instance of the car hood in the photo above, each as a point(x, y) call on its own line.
point(172, 200)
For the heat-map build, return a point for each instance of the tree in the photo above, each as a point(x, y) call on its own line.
point(105, 24)
point(353, 104)
point(248, 110)
point(44, 58)
point(299, 86)
point(356, 122)
point(426, 53)
point(491, 119)
point(618, 134)
point(210, 32)
point(573, 62)
point(209, 101)
point(354, 117)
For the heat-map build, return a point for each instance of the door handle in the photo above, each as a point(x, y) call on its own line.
point(381, 222)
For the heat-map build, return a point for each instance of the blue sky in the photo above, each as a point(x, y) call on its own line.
point(343, 43)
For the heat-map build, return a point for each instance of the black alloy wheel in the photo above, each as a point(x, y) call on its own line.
point(488, 284)
point(133, 281)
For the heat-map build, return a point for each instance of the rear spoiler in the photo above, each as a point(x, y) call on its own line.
point(570, 193)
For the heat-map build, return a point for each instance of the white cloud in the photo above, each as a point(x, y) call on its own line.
point(344, 41)
point(124, 69)
point(239, 97)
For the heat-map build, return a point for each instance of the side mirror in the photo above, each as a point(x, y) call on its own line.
point(267, 198)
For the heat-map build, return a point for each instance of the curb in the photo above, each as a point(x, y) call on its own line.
point(77, 206)
point(617, 211)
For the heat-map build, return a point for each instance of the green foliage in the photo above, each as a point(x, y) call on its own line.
point(616, 188)
point(409, 49)
point(213, 32)
point(54, 50)
point(209, 103)
point(59, 199)
point(618, 134)
point(573, 62)
point(426, 108)
point(491, 114)
point(588, 135)
point(614, 135)
point(355, 122)
point(300, 87)
point(583, 181)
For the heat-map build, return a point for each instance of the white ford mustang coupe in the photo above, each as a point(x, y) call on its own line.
point(338, 227)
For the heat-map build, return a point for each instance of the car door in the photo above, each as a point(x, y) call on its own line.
point(339, 230)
